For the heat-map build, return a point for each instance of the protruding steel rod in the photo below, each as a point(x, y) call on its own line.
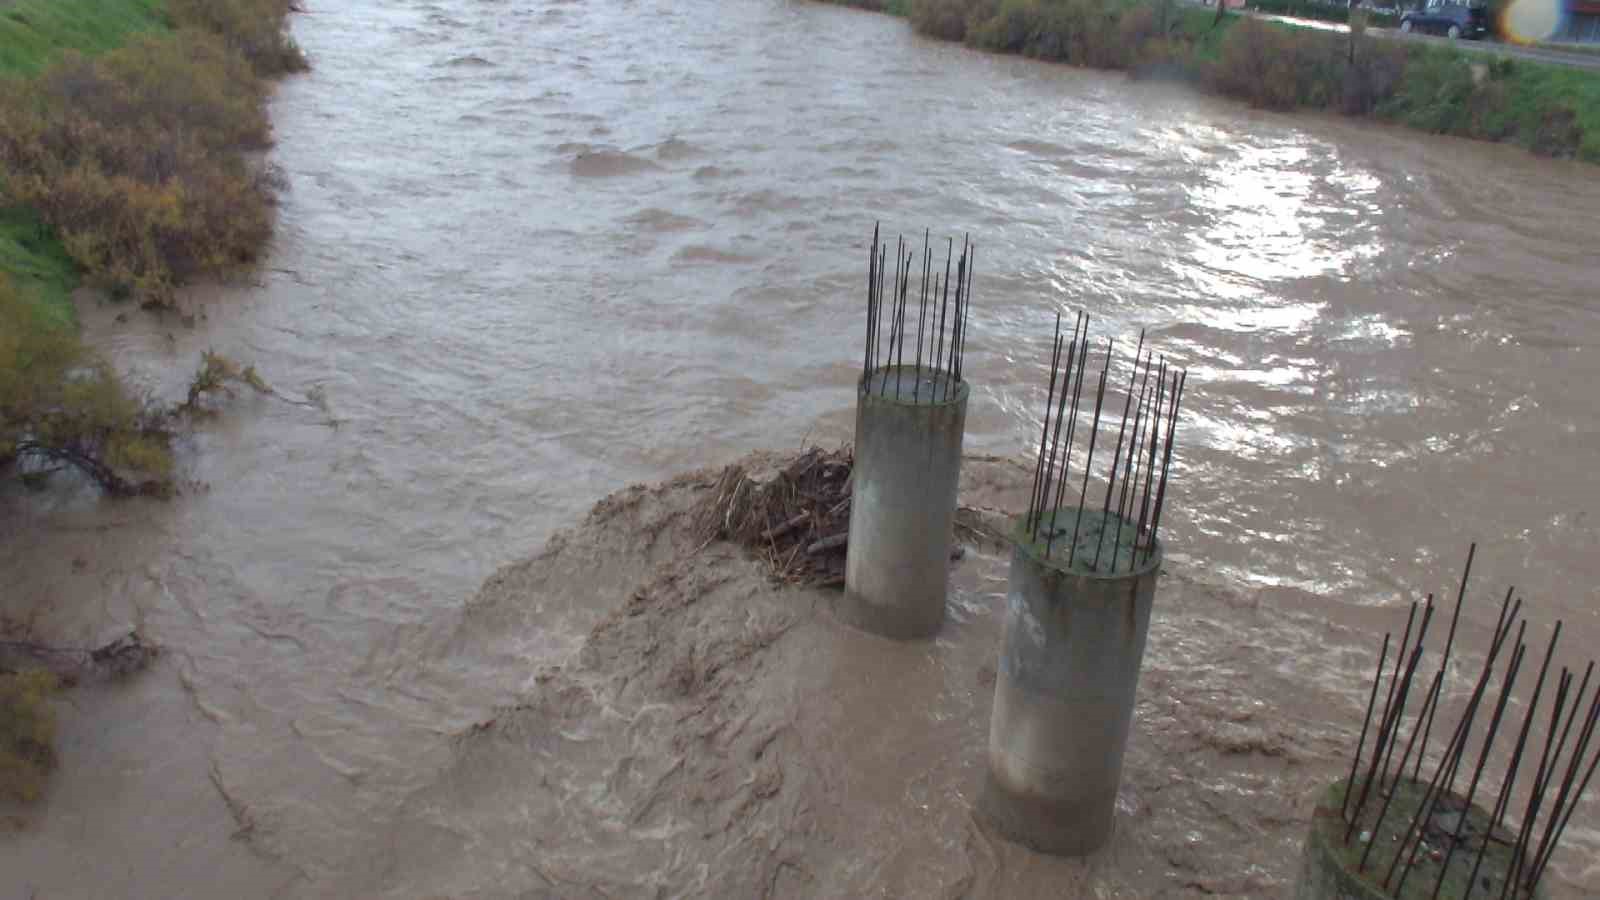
point(1049, 400)
point(1179, 381)
point(1072, 427)
point(1055, 440)
point(1416, 727)
point(1546, 770)
point(967, 311)
point(1453, 751)
point(944, 307)
point(1542, 856)
point(1507, 683)
point(1155, 434)
point(1132, 465)
point(1366, 722)
point(1506, 786)
point(1538, 872)
point(1377, 750)
point(1088, 460)
point(872, 298)
point(1116, 462)
point(922, 315)
point(1394, 679)
point(1386, 730)
point(1449, 642)
point(1428, 701)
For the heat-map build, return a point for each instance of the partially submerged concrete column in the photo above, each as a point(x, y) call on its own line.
point(909, 425)
point(1336, 867)
point(1067, 678)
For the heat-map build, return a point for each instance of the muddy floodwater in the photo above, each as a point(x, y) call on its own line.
point(533, 252)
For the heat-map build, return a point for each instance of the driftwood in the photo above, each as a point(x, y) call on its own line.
point(119, 658)
point(831, 542)
point(797, 520)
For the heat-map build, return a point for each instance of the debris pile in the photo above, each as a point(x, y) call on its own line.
point(796, 520)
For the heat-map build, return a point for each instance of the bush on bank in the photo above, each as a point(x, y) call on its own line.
point(137, 169)
point(27, 733)
point(59, 405)
point(138, 158)
point(1551, 110)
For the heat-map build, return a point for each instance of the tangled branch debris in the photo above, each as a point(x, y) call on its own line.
point(122, 657)
point(797, 520)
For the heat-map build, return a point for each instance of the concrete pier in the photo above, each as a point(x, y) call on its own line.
point(909, 427)
point(1331, 869)
point(1065, 687)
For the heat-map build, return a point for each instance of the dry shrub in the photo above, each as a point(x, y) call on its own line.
point(59, 404)
point(189, 82)
point(1096, 33)
point(1373, 76)
point(254, 29)
point(1010, 30)
point(795, 521)
point(27, 733)
point(1559, 134)
point(1261, 64)
point(1136, 29)
point(136, 159)
point(951, 20)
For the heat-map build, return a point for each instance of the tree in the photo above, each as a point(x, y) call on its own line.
point(61, 405)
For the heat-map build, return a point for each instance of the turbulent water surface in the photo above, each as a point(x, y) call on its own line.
point(533, 251)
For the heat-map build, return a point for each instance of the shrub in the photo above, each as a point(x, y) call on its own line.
point(1435, 92)
point(184, 83)
point(1258, 63)
point(27, 733)
point(1104, 34)
point(1372, 77)
point(59, 404)
point(1010, 29)
point(951, 20)
point(255, 29)
point(136, 159)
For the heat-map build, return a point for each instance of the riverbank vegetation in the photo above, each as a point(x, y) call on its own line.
point(60, 406)
point(141, 159)
point(27, 733)
point(1551, 110)
point(131, 137)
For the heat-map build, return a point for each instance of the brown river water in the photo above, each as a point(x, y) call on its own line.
point(535, 251)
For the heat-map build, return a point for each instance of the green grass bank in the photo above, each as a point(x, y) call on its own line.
point(1551, 110)
point(33, 35)
point(126, 129)
point(131, 134)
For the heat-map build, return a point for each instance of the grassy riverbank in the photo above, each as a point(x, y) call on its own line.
point(34, 34)
point(130, 139)
point(128, 127)
point(1551, 110)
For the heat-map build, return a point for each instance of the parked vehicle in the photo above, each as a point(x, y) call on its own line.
point(1452, 18)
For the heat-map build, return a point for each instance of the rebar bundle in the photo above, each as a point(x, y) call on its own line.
point(1135, 483)
point(1444, 827)
point(941, 330)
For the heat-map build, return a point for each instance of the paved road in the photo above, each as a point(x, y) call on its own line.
point(1535, 54)
point(1577, 60)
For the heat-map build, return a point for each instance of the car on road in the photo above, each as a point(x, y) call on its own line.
point(1451, 18)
